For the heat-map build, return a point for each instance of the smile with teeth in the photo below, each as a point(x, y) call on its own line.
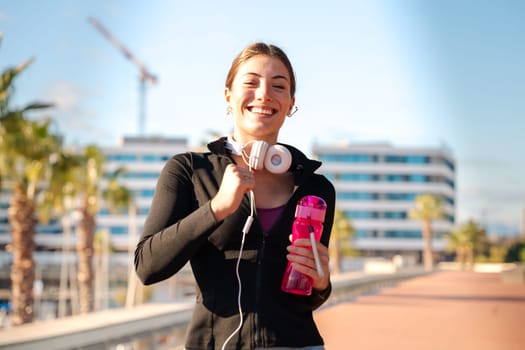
point(262, 110)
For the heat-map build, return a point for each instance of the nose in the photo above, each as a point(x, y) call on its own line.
point(263, 92)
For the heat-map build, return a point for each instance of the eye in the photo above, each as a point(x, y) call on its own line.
point(250, 83)
point(279, 87)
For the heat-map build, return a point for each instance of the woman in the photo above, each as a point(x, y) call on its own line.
point(202, 210)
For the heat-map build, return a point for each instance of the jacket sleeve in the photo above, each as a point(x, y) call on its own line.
point(176, 225)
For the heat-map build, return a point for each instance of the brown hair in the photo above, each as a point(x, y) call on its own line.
point(260, 48)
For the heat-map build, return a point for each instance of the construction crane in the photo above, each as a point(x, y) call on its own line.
point(144, 77)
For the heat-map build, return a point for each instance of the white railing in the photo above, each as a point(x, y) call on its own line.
point(156, 326)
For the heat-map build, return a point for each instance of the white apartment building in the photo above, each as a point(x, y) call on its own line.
point(143, 159)
point(376, 185)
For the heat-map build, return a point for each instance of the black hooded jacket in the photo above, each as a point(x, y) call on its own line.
point(181, 227)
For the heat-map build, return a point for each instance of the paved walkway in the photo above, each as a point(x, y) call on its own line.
point(447, 310)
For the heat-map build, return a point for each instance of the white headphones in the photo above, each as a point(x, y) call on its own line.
point(276, 158)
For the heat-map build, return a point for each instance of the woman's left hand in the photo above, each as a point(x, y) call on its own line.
point(302, 257)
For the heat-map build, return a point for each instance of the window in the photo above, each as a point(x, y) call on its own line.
point(402, 234)
point(395, 215)
point(118, 230)
point(395, 178)
point(362, 214)
point(417, 159)
point(394, 159)
point(359, 177)
point(363, 234)
point(400, 196)
point(121, 157)
point(155, 158)
point(410, 159)
point(356, 195)
point(418, 178)
point(349, 158)
point(144, 193)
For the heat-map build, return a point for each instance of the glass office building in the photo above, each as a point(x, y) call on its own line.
point(376, 186)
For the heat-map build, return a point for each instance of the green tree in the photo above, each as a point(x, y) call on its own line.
point(467, 241)
point(340, 244)
point(29, 145)
point(515, 252)
point(58, 202)
point(76, 184)
point(427, 208)
point(91, 191)
point(119, 198)
point(25, 149)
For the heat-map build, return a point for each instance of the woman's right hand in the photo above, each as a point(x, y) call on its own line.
point(235, 183)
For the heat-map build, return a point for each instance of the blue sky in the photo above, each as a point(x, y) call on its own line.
point(418, 73)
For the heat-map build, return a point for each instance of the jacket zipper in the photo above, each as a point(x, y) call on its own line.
point(259, 338)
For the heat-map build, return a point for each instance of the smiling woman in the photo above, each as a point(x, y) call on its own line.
point(260, 97)
point(205, 211)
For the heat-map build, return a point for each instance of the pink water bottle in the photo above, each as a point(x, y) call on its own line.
point(309, 218)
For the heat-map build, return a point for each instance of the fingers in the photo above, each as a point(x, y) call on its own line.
point(238, 178)
point(235, 183)
point(303, 261)
point(305, 257)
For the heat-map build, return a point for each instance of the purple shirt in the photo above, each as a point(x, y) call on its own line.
point(268, 216)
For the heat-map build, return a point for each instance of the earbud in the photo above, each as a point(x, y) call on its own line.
point(276, 159)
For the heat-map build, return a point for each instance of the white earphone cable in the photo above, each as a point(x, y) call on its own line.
point(238, 296)
point(245, 230)
point(245, 156)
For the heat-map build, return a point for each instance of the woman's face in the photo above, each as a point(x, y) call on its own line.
point(260, 99)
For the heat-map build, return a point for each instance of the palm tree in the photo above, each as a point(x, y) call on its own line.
point(427, 208)
point(89, 181)
point(515, 251)
point(342, 232)
point(458, 242)
point(466, 241)
point(102, 247)
point(58, 201)
point(6, 82)
point(118, 198)
point(91, 193)
point(25, 148)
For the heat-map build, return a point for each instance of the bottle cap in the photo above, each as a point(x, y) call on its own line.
point(312, 207)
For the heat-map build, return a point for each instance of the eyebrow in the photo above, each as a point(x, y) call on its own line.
point(274, 77)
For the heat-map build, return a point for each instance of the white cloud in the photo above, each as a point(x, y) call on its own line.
point(65, 95)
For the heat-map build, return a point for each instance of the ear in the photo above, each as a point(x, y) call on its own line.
point(292, 103)
point(227, 94)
